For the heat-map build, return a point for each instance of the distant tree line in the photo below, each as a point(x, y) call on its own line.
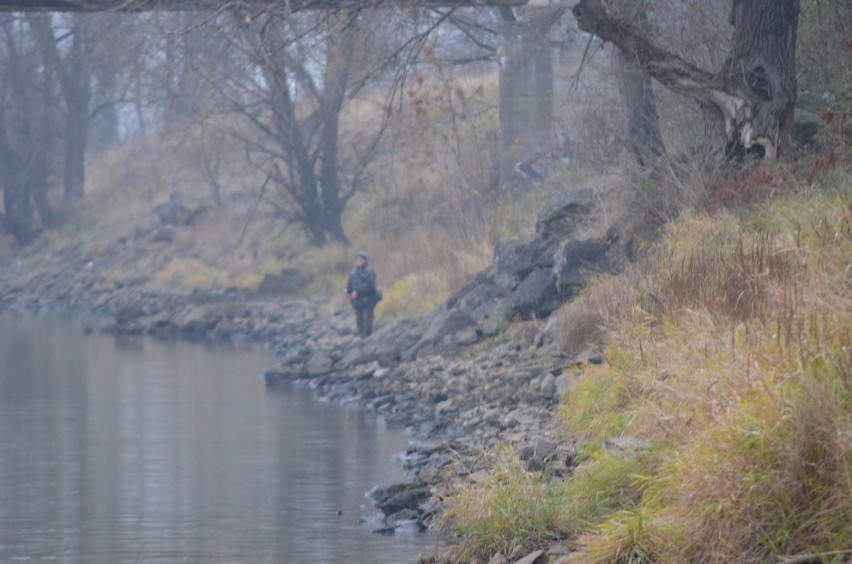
point(278, 83)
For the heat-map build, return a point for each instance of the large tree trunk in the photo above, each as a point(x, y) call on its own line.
point(642, 122)
point(335, 83)
point(749, 103)
point(74, 79)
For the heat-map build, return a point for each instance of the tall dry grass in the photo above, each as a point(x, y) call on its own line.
point(729, 350)
point(728, 364)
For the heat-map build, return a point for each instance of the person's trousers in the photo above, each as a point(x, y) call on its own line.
point(364, 320)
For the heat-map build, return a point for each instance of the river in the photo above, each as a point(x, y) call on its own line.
point(126, 449)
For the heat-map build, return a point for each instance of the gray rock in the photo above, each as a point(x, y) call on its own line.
point(395, 498)
point(575, 260)
point(588, 356)
point(288, 282)
point(281, 375)
point(165, 235)
point(625, 444)
point(566, 213)
point(444, 407)
point(319, 364)
point(548, 386)
point(401, 516)
point(535, 297)
point(563, 384)
point(468, 336)
point(537, 557)
point(445, 324)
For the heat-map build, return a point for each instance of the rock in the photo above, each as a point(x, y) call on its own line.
point(443, 328)
point(373, 517)
point(544, 449)
point(428, 475)
point(472, 296)
point(566, 213)
point(319, 364)
point(574, 259)
point(395, 498)
point(288, 282)
point(281, 375)
point(548, 386)
point(563, 384)
point(515, 260)
point(625, 444)
point(444, 407)
point(401, 516)
point(538, 455)
point(537, 557)
point(197, 321)
point(468, 336)
point(165, 235)
point(498, 559)
point(559, 549)
point(588, 356)
point(535, 297)
point(478, 477)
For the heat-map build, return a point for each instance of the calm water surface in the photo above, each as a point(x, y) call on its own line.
point(117, 449)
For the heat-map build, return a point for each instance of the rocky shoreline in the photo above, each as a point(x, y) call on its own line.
point(462, 380)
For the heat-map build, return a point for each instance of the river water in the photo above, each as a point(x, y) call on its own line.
point(120, 449)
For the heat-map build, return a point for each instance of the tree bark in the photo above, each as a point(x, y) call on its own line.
point(642, 122)
point(749, 103)
point(335, 83)
point(75, 83)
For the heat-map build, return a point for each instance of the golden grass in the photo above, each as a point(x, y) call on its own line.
point(730, 355)
point(429, 214)
point(730, 350)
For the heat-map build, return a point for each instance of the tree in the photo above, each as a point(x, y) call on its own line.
point(748, 104)
point(27, 100)
point(74, 77)
point(299, 72)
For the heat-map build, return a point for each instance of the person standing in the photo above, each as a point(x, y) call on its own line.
point(363, 293)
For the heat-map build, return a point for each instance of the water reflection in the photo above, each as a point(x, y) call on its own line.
point(116, 449)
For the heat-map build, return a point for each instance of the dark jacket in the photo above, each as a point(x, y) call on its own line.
point(363, 281)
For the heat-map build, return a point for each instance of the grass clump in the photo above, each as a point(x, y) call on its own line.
point(729, 351)
point(728, 366)
point(511, 508)
point(515, 508)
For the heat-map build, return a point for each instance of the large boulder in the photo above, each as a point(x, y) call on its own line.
point(398, 497)
point(565, 215)
point(516, 260)
point(319, 364)
point(575, 260)
point(535, 297)
point(444, 330)
point(289, 281)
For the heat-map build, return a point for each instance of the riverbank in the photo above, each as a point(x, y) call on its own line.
point(462, 380)
point(482, 397)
